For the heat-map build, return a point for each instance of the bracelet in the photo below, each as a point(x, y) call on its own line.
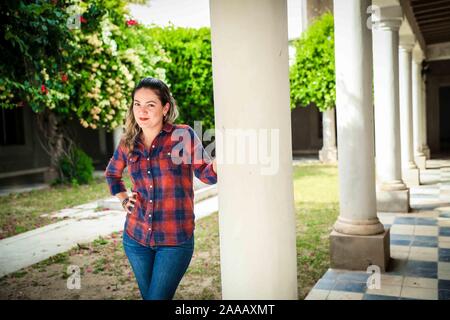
point(124, 201)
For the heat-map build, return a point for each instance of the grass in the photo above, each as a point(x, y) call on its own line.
point(21, 212)
point(317, 208)
point(106, 273)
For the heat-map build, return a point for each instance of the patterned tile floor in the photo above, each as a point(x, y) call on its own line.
point(420, 249)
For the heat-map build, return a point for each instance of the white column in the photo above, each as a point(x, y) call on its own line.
point(425, 148)
point(304, 16)
point(117, 135)
point(102, 141)
point(409, 168)
point(251, 92)
point(392, 193)
point(358, 239)
point(419, 156)
point(328, 153)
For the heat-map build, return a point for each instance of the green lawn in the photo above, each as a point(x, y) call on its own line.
point(317, 208)
point(106, 273)
point(20, 212)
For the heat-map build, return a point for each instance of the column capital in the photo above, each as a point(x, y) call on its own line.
point(387, 17)
point(407, 42)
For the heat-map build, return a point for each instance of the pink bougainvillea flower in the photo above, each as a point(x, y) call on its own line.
point(44, 89)
point(83, 19)
point(131, 22)
point(64, 77)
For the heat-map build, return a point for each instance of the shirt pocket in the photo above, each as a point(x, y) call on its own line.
point(133, 165)
point(170, 163)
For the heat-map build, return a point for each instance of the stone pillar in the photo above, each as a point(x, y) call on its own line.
point(328, 153)
point(358, 239)
point(409, 168)
point(419, 156)
point(251, 92)
point(392, 193)
point(102, 141)
point(425, 148)
point(117, 135)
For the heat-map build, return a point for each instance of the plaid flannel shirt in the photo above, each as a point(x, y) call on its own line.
point(163, 179)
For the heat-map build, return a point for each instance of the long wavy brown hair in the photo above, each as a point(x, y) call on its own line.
point(132, 129)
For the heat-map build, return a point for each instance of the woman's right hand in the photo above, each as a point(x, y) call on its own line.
point(129, 205)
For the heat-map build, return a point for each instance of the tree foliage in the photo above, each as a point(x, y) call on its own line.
point(312, 75)
point(79, 59)
point(73, 59)
point(189, 71)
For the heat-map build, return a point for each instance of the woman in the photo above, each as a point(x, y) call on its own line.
point(158, 234)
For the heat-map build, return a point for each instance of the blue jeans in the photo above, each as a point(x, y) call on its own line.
point(158, 269)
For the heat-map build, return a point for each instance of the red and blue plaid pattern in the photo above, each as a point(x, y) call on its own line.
point(162, 176)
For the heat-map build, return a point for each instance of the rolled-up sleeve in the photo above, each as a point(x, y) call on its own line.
point(113, 172)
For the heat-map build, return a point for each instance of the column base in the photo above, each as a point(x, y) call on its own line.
point(353, 252)
point(411, 177)
point(328, 155)
point(421, 161)
point(393, 200)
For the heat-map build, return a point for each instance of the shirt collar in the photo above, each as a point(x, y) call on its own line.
point(167, 127)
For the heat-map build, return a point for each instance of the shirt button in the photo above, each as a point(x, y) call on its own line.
point(151, 186)
point(148, 171)
point(153, 146)
point(151, 200)
point(168, 153)
point(148, 158)
point(149, 215)
point(149, 229)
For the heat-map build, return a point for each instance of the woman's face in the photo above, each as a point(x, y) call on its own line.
point(147, 108)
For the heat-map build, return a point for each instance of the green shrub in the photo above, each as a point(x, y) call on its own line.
point(312, 76)
point(76, 167)
point(188, 71)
